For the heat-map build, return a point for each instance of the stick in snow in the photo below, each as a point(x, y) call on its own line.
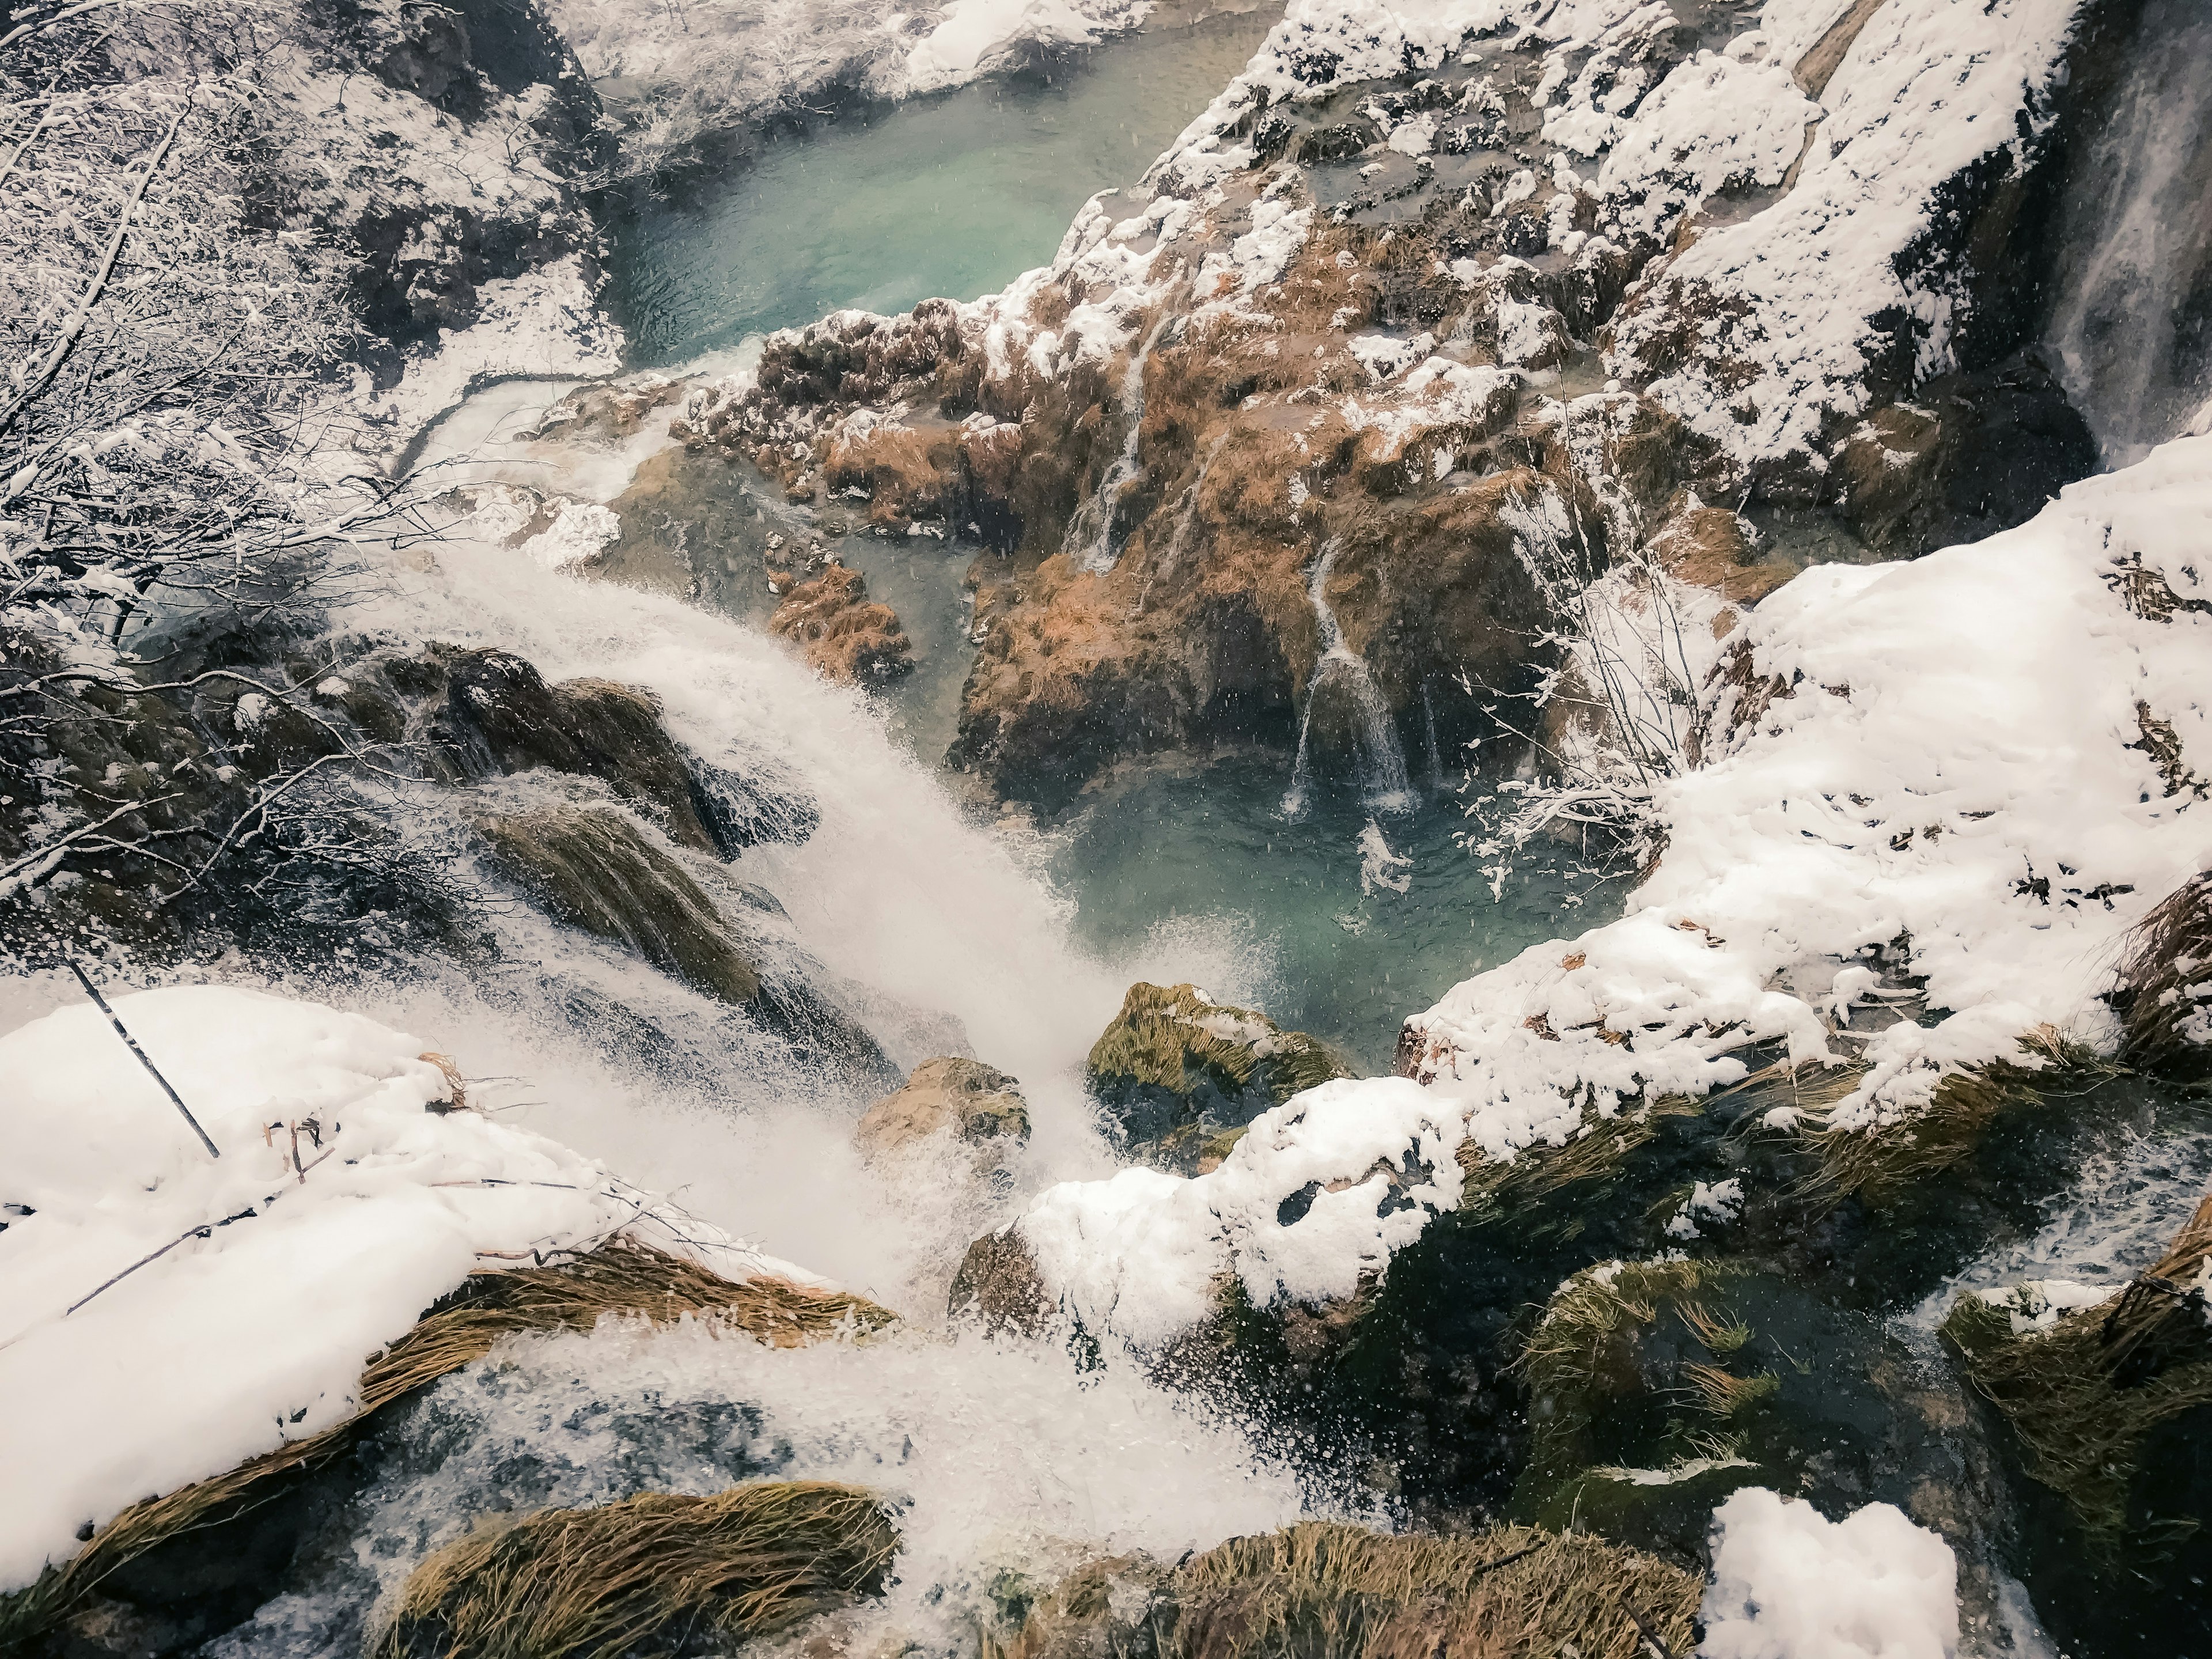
point(1650, 1636)
point(100, 1002)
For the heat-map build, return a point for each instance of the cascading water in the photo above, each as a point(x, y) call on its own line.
point(1378, 759)
point(1090, 540)
point(2131, 326)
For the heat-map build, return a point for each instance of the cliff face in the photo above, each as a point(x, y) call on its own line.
point(1475, 302)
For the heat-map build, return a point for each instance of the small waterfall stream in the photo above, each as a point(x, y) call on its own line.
point(1090, 540)
point(2133, 285)
point(1378, 759)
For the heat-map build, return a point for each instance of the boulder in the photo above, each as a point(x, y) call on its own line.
point(971, 1101)
point(997, 1284)
point(593, 869)
point(1178, 1072)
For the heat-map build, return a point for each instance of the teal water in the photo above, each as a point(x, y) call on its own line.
point(1204, 853)
point(890, 204)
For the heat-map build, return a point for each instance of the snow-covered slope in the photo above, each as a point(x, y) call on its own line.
point(349, 1197)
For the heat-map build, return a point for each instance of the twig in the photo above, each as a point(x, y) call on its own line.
point(1650, 1636)
point(200, 1232)
point(100, 1002)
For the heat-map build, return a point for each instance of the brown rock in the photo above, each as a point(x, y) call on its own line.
point(965, 1098)
point(847, 636)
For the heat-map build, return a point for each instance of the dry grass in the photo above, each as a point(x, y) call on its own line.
point(2085, 1393)
point(1722, 1393)
point(2167, 974)
point(1345, 1593)
point(1880, 1163)
point(652, 1574)
point(1326, 1590)
point(1597, 1151)
point(621, 1278)
point(1719, 1336)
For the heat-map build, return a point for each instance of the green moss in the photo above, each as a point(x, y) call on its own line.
point(594, 870)
point(2081, 1430)
point(1173, 1037)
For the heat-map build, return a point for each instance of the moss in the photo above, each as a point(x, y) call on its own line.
point(622, 1279)
point(594, 870)
point(1326, 1591)
point(2087, 1393)
point(652, 1574)
point(1174, 1061)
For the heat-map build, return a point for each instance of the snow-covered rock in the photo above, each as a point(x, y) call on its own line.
point(1789, 1583)
point(165, 1315)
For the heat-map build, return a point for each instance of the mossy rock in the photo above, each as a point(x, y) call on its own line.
point(1652, 1385)
point(594, 869)
point(1176, 1069)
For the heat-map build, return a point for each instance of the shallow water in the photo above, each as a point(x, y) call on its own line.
point(887, 205)
point(1335, 945)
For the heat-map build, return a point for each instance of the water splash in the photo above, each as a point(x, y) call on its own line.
point(1378, 759)
point(1429, 730)
point(1379, 866)
point(1090, 540)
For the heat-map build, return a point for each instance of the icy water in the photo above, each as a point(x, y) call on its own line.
point(1344, 919)
point(887, 205)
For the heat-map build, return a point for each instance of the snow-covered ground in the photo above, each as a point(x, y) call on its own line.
point(348, 1197)
point(679, 72)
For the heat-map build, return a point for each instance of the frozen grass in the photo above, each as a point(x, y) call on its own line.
point(2167, 974)
point(653, 1573)
point(2085, 1393)
point(1596, 1152)
point(622, 1279)
point(1879, 1161)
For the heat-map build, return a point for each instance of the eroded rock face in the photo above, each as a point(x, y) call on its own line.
point(846, 637)
point(1180, 1074)
point(951, 1096)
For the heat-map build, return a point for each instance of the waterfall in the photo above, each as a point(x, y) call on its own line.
point(1378, 759)
point(1429, 729)
point(2134, 272)
point(1090, 540)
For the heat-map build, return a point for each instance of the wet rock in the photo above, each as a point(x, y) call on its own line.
point(963, 1098)
point(501, 716)
point(997, 1284)
point(1966, 456)
point(593, 869)
point(2108, 1406)
point(845, 635)
point(1176, 1070)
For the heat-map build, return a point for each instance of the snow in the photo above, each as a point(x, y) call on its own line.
point(1787, 298)
point(544, 324)
point(1139, 1254)
point(1788, 1583)
point(263, 1322)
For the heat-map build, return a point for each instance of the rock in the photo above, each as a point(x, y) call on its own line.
point(965, 1098)
point(846, 637)
point(501, 716)
point(997, 1284)
point(1966, 456)
point(1715, 548)
point(592, 869)
point(1176, 1069)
